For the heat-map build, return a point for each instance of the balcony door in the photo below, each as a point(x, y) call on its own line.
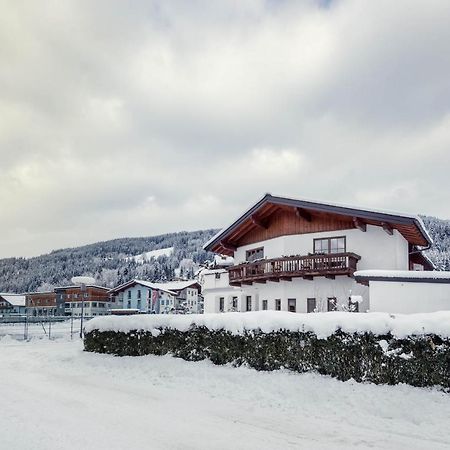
point(310, 305)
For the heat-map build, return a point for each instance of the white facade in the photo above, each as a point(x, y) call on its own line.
point(218, 295)
point(405, 297)
point(377, 249)
point(89, 308)
point(192, 302)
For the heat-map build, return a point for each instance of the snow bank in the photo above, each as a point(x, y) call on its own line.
point(321, 324)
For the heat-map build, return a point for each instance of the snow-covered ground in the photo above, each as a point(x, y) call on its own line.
point(55, 396)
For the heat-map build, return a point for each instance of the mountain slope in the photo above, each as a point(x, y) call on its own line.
point(110, 262)
point(439, 230)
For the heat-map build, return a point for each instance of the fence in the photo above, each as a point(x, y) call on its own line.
point(28, 327)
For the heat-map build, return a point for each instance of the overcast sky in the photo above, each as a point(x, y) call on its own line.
point(139, 118)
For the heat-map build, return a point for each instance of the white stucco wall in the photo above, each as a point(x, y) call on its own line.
point(299, 289)
point(378, 250)
point(407, 297)
point(320, 288)
point(214, 288)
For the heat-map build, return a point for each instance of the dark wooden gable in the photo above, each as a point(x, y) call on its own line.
point(286, 221)
point(275, 216)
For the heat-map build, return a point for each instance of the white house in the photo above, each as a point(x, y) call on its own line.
point(187, 294)
point(161, 298)
point(301, 256)
point(12, 304)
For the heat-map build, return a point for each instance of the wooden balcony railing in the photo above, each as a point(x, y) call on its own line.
point(288, 267)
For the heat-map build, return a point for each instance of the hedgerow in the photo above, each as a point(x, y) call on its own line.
point(382, 359)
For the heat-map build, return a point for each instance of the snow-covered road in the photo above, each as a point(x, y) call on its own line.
point(55, 396)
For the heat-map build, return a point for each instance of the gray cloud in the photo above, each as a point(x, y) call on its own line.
point(124, 119)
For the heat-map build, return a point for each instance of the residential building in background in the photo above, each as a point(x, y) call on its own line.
point(139, 296)
point(94, 301)
point(41, 303)
point(187, 295)
point(12, 304)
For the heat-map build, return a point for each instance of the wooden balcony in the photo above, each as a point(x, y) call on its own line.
point(288, 267)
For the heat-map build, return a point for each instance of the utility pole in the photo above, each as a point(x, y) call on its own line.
point(49, 327)
point(71, 321)
point(82, 282)
point(82, 290)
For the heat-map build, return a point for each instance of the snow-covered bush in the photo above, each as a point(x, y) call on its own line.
point(379, 348)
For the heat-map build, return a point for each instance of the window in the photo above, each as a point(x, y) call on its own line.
point(129, 294)
point(254, 254)
point(264, 305)
point(277, 304)
point(94, 304)
point(221, 304)
point(310, 305)
point(139, 293)
point(292, 305)
point(332, 304)
point(86, 295)
point(248, 302)
point(330, 245)
point(217, 275)
point(234, 301)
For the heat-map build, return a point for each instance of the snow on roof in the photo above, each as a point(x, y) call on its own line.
point(14, 299)
point(394, 275)
point(269, 196)
point(74, 286)
point(222, 260)
point(176, 285)
point(321, 324)
point(170, 287)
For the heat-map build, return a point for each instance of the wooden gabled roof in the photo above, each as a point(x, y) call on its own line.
point(307, 215)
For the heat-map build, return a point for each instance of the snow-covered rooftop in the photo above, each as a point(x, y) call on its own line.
point(403, 275)
point(321, 324)
point(14, 299)
point(175, 285)
point(222, 260)
point(170, 287)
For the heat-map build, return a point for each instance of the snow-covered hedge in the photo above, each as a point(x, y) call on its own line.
point(376, 347)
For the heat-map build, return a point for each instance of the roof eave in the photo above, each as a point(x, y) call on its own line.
point(323, 207)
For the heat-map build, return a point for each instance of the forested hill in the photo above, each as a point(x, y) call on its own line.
point(114, 262)
point(110, 262)
point(439, 231)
